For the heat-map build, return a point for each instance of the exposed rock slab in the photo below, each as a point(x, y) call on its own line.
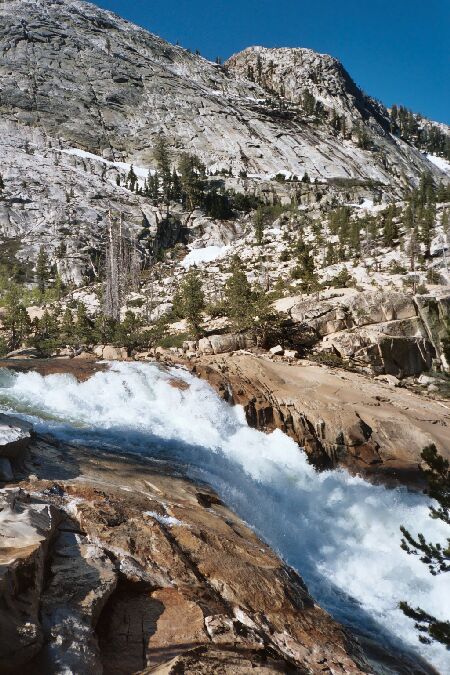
point(382, 331)
point(339, 417)
point(147, 571)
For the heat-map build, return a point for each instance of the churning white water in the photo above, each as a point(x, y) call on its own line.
point(341, 533)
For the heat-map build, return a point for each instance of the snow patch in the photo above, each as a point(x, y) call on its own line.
point(140, 171)
point(204, 255)
point(440, 162)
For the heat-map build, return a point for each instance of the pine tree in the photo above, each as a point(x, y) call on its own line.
point(176, 192)
point(308, 103)
point(67, 327)
point(47, 334)
point(435, 555)
point(305, 268)
point(105, 329)
point(238, 297)
point(363, 138)
point(259, 68)
point(83, 325)
point(162, 158)
point(306, 178)
point(192, 173)
point(132, 180)
point(128, 331)
point(190, 300)
point(15, 319)
point(42, 270)
point(58, 286)
point(426, 226)
point(390, 229)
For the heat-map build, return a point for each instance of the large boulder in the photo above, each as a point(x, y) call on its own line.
point(15, 436)
point(399, 348)
point(111, 353)
point(386, 332)
point(219, 344)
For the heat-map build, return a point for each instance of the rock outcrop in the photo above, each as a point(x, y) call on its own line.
point(383, 332)
point(341, 418)
point(112, 564)
point(15, 436)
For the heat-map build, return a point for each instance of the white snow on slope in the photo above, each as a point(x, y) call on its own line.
point(204, 255)
point(440, 162)
point(368, 205)
point(140, 171)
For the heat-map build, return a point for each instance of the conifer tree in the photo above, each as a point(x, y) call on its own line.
point(176, 191)
point(435, 555)
point(67, 327)
point(42, 270)
point(305, 268)
point(58, 286)
point(132, 180)
point(47, 331)
point(162, 158)
point(239, 297)
point(190, 300)
point(83, 325)
point(192, 172)
point(390, 229)
point(15, 319)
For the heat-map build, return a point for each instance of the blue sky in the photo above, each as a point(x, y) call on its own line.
point(396, 50)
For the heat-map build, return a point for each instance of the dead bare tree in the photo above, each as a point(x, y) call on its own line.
point(122, 266)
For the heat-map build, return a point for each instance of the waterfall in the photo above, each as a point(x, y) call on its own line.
point(340, 532)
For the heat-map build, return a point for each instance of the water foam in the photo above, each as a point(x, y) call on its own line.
point(340, 533)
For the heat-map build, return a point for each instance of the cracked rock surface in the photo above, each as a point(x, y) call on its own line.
point(114, 565)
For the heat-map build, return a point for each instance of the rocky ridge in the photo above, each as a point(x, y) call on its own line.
point(76, 86)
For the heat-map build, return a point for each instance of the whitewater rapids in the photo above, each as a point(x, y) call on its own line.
point(340, 532)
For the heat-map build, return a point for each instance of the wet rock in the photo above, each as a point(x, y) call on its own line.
point(24, 353)
point(6, 472)
point(339, 417)
point(15, 436)
point(143, 576)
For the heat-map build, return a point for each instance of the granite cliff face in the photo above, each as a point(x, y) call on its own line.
point(84, 94)
point(88, 78)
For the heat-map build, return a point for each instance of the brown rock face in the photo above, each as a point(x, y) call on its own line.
point(82, 369)
point(339, 417)
point(122, 568)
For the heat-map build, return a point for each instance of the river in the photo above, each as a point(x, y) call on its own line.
point(340, 532)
